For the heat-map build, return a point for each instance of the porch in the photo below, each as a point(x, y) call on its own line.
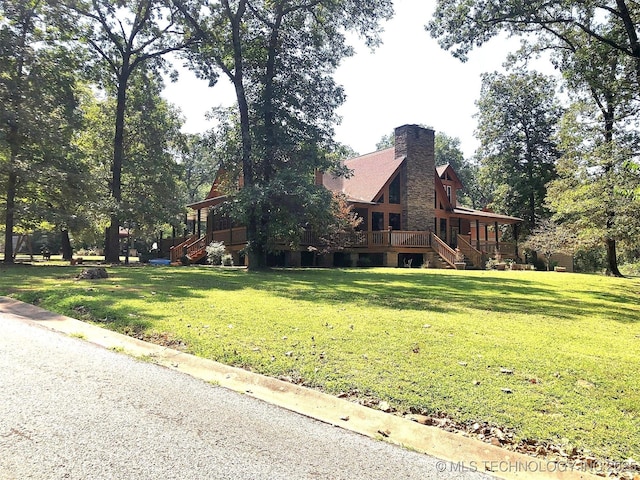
point(394, 242)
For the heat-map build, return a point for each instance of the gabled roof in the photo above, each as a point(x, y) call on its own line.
point(442, 170)
point(440, 192)
point(370, 173)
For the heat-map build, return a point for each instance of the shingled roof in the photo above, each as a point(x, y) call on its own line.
point(369, 174)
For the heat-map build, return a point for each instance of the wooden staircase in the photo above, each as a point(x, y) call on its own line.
point(194, 249)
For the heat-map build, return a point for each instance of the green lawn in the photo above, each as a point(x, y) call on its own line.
point(432, 341)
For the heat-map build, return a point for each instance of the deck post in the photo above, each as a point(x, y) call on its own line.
point(391, 259)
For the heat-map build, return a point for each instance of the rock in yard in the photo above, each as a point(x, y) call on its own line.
point(92, 273)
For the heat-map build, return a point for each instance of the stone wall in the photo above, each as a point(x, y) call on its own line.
point(418, 196)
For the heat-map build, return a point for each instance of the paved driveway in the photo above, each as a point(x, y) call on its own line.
point(70, 409)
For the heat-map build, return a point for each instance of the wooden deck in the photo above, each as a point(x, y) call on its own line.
point(194, 248)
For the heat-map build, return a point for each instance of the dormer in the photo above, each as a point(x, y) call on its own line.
point(450, 182)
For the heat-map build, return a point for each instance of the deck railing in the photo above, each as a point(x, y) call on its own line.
point(491, 247)
point(475, 251)
point(447, 253)
point(470, 252)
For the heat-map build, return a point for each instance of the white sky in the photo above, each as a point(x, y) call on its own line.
point(408, 79)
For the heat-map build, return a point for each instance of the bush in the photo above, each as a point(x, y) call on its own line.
point(215, 252)
point(227, 260)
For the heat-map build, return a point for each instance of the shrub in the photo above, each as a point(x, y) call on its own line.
point(215, 252)
point(227, 260)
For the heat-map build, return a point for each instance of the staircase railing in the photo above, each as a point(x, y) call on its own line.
point(447, 253)
point(470, 252)
point(193, 249)
point(176, 252)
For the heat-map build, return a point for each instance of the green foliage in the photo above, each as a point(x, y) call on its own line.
point(198, 159)
point(517, 119)
point(38, 114)
point(280, 57)
point(549, 238)
point(124, 37)
point(461, 25)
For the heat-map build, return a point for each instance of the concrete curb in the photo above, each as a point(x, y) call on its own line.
point(464, 453)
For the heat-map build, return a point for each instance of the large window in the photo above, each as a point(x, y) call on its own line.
point(394, 190)
point(363, 213)
point(377, 221)
point(394, 221)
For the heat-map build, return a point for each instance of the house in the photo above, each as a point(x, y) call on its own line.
point(408, 206)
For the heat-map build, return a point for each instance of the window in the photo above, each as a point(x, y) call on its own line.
point(394, 190)
point(377, 221)
point(363, 213)
point(394, 221)
point(448, 190)
point(381, 199)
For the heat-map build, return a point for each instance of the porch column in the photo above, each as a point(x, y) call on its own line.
point(497, 239)
point(515, 236)
point(478, 235)
point(199, 223)
point(391, 259)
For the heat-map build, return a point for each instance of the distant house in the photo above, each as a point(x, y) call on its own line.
point(409, 210)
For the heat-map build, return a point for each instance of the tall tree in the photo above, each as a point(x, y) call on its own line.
point(125, 36)
point(461, 25)
point(280, 56)
point(517, 118)
point(151, 192)
point(37, 105)
point(599, 172)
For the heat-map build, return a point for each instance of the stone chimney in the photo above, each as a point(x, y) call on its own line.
point(418, 197)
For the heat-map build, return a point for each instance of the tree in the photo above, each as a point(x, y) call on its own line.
point(517, 118)
point(38, 115)
point(461, 25)
point(280, 57)
point(199, 162)
point(549, 238)
point(338, 227)
point(595, 194)
point(151, 188)
point(124, 37)
point(602, 141)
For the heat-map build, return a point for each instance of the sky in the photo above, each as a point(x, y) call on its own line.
point(409, 79)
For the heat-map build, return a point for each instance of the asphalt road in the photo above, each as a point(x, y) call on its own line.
point(73, 410)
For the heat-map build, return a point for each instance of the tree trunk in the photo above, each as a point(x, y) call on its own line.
point(612, 259)
point(112, 246)
point(257, 251)
point(67, 250)
point(12, 182)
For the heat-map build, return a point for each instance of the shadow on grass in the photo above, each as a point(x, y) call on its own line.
point(423, 290)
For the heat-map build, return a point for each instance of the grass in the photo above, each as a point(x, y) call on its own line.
point(421, 340)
